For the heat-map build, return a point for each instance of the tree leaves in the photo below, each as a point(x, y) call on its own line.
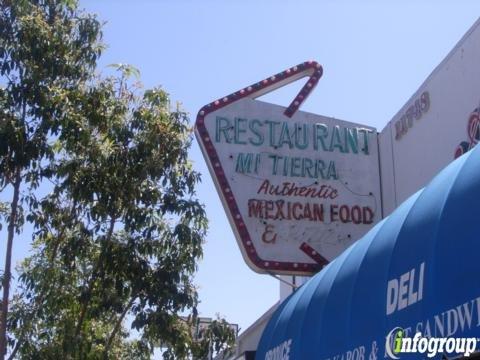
point(108, 187)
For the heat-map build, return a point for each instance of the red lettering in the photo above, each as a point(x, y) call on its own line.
point(333, 213)
point(255, 208)
point(286, 210)
point(356, 214)
point(263, 187)
point(344, 214)
point(307, 212)
point(279, 214)
point(289, 211)
point(296, 215)
point(317, 212)
point(333, 194)
point(291, 189)
point(268, 208)
point(269, 239)
point(367, 215)
point(302, 191)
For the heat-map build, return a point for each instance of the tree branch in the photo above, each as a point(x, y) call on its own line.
point(116, 328)
point(44, 294)
point(91, 283)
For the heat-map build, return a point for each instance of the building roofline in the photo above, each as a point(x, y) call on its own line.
point(435, 71)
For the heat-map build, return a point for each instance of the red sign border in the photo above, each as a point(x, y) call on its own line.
point(314, 71)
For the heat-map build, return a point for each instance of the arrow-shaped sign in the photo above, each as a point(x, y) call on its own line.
point(297, 187)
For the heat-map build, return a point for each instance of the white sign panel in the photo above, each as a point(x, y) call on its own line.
point(298, 190)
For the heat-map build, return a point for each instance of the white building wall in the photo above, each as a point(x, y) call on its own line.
point(408, 163)
point(250, 337)
point(386, 170)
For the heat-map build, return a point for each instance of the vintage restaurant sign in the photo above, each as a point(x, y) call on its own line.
point(298, 188)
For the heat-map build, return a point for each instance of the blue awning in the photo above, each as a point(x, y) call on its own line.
point(418, 269)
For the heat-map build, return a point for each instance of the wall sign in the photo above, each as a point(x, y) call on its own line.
point(298, 188)
point(414, 112)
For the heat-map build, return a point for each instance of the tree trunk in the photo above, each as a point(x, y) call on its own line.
point(8, 262)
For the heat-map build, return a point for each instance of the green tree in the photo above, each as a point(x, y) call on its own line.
point(120, 234)
point(117, 237)
point(47, 49)
point(215, 340)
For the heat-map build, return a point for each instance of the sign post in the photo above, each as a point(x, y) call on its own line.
point(298, 188)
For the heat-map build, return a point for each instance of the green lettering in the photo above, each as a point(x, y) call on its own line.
point(257, 162)
point(253, 125)
point(240, 130)
point(304, 144)
point(275, 159)
point(332, 171)
point(285, 166)
point(295, 166)
point(271, 130)
point(365, 133)
point(320, 133)
point(319, 167)
point(336, 140)
point(308, 165)
point(223, 126)
point(244, 163)
point(352, 140)
point(285, 136)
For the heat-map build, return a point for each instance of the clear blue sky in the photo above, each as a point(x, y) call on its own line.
point(375, 54)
